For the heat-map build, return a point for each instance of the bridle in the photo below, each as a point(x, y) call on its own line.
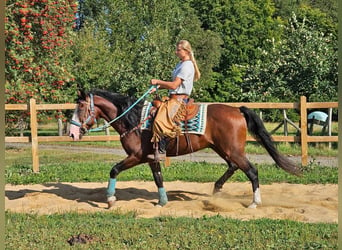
point(91, 115)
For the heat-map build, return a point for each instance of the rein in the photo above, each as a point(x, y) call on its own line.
point(116, 118)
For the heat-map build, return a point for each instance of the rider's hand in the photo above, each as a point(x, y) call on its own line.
point(154, 81)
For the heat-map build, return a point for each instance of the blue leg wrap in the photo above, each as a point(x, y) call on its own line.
point(162, 196)
point(111, 187)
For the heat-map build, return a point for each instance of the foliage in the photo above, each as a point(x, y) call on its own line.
point(285, 8)
point(120, 45)
point(112, 230)
point(36, 33)
point(136, 42)
point(237, 22)
point(93, 61)
point(305, 63)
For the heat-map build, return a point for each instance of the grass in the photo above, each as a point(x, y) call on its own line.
point(65, 166)
point(124, 231)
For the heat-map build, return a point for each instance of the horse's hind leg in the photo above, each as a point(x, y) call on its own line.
point(252, 174)
point(230, 171)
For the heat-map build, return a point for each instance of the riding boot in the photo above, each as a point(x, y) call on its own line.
point(162, 146)
point(159, 150)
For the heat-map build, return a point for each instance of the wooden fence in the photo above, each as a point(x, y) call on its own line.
point(302, 106)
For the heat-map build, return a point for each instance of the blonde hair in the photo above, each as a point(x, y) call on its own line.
point(187, 46)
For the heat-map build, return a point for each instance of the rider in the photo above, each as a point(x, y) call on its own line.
point(183, 76)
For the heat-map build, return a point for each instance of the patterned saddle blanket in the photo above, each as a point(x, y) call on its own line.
point(195, 125)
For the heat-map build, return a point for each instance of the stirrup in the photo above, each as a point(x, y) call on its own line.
point(159, 152)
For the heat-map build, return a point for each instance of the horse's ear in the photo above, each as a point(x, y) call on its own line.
point(81, 94)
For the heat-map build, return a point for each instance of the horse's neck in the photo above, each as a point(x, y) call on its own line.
point(108, 111)
point(118, 125)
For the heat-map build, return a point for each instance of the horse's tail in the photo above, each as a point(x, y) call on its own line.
point(259, 132)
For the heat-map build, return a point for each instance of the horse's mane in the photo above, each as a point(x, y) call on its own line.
point(122, 103)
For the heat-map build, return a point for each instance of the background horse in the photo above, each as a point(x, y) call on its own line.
point(225, 133)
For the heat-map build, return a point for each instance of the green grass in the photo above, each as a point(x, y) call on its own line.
point(117, 231)
point(65, 166)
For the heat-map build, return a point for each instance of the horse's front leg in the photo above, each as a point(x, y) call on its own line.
point(158, 179)
point(127, 163)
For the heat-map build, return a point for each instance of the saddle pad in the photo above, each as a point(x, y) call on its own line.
point(195, 125)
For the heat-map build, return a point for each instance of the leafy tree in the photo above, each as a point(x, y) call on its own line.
point(91, 59)
point(36, 32)
point(245, 27)
point(317, 19)
point(135, 42)
point(305, 63)
point(285, 8)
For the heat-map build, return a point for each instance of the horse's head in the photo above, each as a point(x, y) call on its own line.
point(84, 116)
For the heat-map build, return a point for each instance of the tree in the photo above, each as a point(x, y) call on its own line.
point(285, 8)
point(135, 41)
point(305, 63)
point(36, 32)
point(245, 27)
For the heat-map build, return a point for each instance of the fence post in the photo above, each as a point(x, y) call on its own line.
point(60, 126)
point(329, 123)
point(34, 135)
point(304, 130)
point(167, 162)
point(285, 123)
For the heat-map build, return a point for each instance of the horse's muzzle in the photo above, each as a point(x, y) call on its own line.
point(75, 132)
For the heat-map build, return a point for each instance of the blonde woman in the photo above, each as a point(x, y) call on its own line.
point(183, 76)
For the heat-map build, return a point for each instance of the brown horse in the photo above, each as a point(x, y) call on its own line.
point(225, 133)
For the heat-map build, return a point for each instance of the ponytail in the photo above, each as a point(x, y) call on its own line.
point(186, 45)
point(197, 72)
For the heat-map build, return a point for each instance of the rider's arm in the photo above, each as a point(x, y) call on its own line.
point(167, 85)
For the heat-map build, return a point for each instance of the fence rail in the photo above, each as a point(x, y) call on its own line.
point(302, 106)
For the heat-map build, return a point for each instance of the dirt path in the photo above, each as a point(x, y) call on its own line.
point(306, 203)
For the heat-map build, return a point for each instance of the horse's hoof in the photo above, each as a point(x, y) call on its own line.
point(111, 201)
point(161, 203)
point(253, 205)
point(216, 190)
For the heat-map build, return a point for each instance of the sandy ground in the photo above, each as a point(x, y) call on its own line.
point(306, 203)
